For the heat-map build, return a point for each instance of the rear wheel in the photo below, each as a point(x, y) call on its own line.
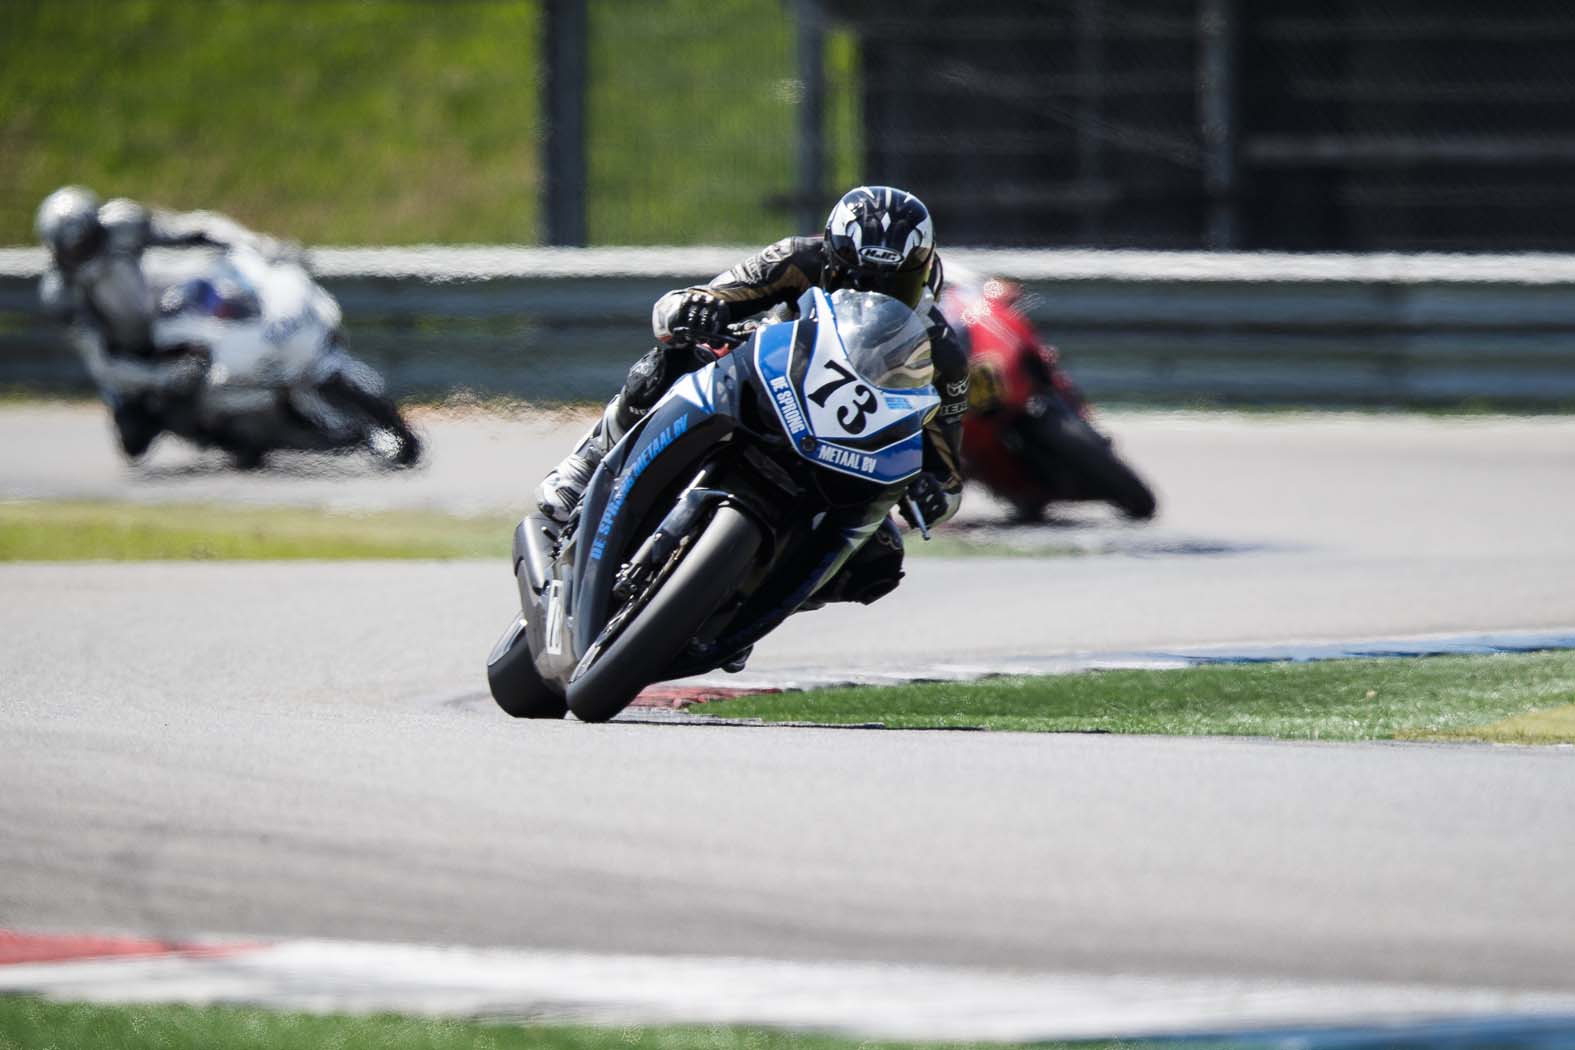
point(516, 685)
point(1071, 444)
point(706, 577)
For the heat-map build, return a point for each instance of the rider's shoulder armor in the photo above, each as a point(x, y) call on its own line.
point(128, 226)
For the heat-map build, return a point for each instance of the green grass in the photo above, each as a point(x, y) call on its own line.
point(693, 110)
point(409, 121)
point(1544, 725)
point(32, 1024)
point(1437, 697)
point(92, 531)
point(179, 532)
point(692, 120)
point(335, 121)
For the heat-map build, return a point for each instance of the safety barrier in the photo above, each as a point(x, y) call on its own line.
point(563, 324)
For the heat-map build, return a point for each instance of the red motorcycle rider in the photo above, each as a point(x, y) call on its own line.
point(1028, 436)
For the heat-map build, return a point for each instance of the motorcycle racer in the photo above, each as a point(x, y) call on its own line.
point(95, 283)
point(878, 239)
point(1030, 436)
point(993, 304)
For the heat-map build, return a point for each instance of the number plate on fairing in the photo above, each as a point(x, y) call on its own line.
point(838, 419)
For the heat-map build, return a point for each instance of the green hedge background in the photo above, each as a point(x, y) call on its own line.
point(409, 121)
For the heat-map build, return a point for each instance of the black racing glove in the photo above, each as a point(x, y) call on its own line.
point(929, 493)
point(700, 316)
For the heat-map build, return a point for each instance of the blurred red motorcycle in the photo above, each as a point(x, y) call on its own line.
point(1027, 435)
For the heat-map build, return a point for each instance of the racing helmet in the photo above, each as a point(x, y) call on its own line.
point(68, 225)
point(879, 239)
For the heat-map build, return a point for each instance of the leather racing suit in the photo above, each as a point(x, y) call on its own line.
point(110, 307)
point(774, 279)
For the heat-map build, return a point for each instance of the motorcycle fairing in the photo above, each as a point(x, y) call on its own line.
point(660, 449)
point(836, 418)
point(293, 325)
point(637, 479)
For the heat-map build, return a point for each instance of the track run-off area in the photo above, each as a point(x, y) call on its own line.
point(268, 750)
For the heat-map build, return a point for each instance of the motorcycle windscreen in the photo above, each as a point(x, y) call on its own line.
point(850, 383)
point(885, 341)
point(223, 299)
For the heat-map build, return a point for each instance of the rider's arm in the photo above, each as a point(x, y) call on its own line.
point(118, 373)
point(132, 227)
point(209, 229)
point(943, 434)
point(54, 295)
point(123, 374)
point(197, 229)
point(778, 273)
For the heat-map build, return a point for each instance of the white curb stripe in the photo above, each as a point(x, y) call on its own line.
point(893, 1002)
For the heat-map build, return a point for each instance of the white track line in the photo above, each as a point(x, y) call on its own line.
point(864, 999)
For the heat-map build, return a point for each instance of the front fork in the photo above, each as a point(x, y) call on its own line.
point(659, 546)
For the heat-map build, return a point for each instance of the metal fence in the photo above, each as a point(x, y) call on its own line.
point(1300, 124)
point(1159, 327)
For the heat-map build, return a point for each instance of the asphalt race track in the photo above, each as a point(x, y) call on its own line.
point(306, 749)
point(1270, 529)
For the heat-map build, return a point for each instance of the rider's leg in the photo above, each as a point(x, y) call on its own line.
point(560, 492)
point(871, 573)
point(136, 424)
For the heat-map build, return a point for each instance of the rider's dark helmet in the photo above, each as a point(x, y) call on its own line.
point(68, 225)
point(879, 239)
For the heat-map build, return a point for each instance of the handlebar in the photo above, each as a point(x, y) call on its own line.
point(732, 336)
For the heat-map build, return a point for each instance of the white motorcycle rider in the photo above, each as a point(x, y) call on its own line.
point(239, 350)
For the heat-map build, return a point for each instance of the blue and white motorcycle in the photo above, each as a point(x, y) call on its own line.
point(722, 512)
point(279, 377)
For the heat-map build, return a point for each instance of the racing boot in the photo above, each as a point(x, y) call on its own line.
point(136, 425)
point(870, 574)
point(560, 491)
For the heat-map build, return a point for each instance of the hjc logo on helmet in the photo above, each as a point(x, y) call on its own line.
point(880, 256)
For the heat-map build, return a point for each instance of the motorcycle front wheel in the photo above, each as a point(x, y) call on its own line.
point(1070, 443)
point(706, 577)
point(379, 412)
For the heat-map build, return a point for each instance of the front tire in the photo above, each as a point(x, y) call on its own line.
point(517, 687)
point(1068, 440)
point(380, 412)
point(707, 576)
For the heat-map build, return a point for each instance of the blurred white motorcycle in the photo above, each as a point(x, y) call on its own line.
point(277, 374)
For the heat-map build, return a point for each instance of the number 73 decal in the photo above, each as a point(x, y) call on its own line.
point(851, 399)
